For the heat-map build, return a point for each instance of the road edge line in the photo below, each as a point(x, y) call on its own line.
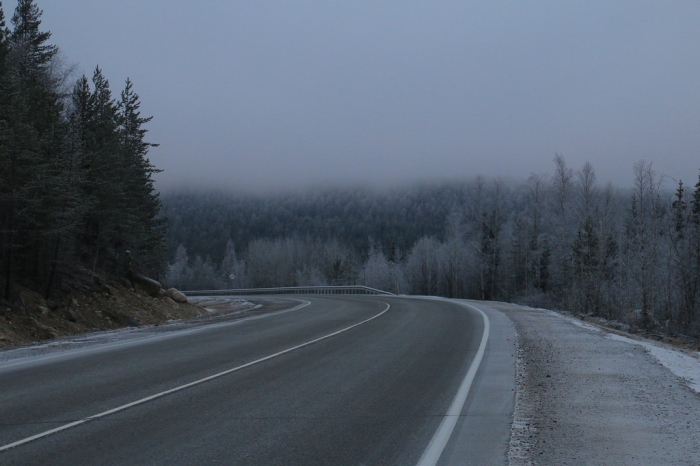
point(437, 444)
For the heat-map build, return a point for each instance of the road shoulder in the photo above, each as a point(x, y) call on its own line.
point(585, 398)
point(482, 434)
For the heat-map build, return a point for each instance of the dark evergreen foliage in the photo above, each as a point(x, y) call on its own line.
point(76, 188)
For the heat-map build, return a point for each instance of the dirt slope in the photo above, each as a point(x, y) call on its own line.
point(88, 307)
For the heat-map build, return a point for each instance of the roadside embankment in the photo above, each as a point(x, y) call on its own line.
point(95, 303)
point(209, 311)
point(88, 307)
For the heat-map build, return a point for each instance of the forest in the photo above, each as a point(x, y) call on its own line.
point(76, 186)
point(560, 241)
point(77, 198)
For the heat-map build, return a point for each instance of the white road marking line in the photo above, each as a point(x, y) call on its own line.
point(432, 454)
point(137, 341)
point(183, 387)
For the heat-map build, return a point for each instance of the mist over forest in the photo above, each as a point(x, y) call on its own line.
point(560, 241)
point(78, 198)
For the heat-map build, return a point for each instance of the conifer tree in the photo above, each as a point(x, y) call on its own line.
point(76, 187)
point(678, 208)
point(97, 123)
point(27, 39)
point(4, 37)
point(31, 132)
point(122, 207)
point(586, 255)
point(694, 300)
point(681, 257)
point(146, 230)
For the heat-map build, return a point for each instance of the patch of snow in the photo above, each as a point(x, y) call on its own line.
point(683, 365)
point(585, 325)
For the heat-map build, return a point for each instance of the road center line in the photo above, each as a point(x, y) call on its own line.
point(432, 454)
point(183, 387)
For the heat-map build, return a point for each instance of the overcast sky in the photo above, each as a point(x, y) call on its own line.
point(257, 94)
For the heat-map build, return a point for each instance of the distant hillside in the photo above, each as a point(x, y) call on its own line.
point(560, 241)
point(393, 218)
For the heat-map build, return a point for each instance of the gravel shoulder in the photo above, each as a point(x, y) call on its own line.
point(586, 396)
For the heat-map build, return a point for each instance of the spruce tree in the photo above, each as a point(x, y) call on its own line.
point(694, 304)
point(678, 208)
point(108, 140)
point(4, 44)
point(695, 204)
point(145, 230)
point(586, 256)
point(31, 136)
point(27, 39)
point(95, 123)
point(4, 156)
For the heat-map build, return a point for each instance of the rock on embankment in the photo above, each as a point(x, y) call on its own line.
point(176, 296)
point(150, 286)
point(153, 288)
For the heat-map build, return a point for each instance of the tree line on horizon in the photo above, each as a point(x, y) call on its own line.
point(77, 193)
point(76, 186)
point(560, 241)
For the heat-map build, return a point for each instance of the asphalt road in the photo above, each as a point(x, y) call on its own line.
point(374, 394)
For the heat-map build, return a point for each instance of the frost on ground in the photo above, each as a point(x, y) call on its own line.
point(214, 304)
point(584, 398)
point(578, 323)
point(685, 366)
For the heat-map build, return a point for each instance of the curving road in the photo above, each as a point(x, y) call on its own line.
point(338, 380)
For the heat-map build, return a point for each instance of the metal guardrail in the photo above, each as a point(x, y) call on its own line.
point(289, 290)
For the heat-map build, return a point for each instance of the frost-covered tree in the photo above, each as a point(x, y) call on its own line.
point(180, 274)
point(233, 270)
point(424, 267)
point(205, 275)
point(645, 238)
point(381, 273)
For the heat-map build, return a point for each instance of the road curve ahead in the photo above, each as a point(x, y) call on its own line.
point(340, 380)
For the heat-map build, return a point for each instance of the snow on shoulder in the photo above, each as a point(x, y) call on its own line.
point(684, 365)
